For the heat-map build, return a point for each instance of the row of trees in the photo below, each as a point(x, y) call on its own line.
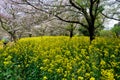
point(56, 17)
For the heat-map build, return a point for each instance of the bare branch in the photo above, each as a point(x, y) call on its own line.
point(74, 5)
point(70, 21)
point(110, 17)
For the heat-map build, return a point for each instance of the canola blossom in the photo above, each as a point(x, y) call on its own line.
point(61, 58)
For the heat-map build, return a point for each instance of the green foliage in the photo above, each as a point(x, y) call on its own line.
point(101, 8)
point(82, 3)
point(84, 31)
point(116, 30)
point(61, 58)
point(106, 33)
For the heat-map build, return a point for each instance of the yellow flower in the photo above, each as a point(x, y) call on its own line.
point(61, 70)
point(18, 66)
point(92, 78)
point(80, 78)
point(87, 57)
point(112, 56)
point(67, 53)
point(87, 75)
point(45, 61)
point(50, 70)
point(64, 79)
point(73, 74)
point(114, 64)
point(106, 53)
point(8, 58)
point(44, 78)
point(116, 50)
point(78, 71)
point(107, 74)
point(41, 68)
point(83, 62)
point(73, 79)
point(102, 62)
point(6, 62)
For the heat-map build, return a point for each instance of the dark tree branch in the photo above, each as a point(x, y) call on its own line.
point(74, 5)
point(118, 0)
point(69, 21)
point(96, 9)
point(91, 10)
point(77, 22)
point(110, 17)
point(35, 7)
point(81, 9)
point(28, 3)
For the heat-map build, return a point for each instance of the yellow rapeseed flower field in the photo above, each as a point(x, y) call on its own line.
point(61, 58)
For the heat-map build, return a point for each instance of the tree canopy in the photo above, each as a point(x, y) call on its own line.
point(90, 14)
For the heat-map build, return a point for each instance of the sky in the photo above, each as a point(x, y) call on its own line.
point(110, 23)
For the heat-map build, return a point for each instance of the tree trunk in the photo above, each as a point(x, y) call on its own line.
point(20, 35)
point(14, 38)
point(30, 35)
point(117, 35)
point(92, 33)
point(71, 33)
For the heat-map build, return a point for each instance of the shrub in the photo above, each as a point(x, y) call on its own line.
point(107, 33)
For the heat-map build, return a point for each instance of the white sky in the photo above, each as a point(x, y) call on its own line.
point(110, 23)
